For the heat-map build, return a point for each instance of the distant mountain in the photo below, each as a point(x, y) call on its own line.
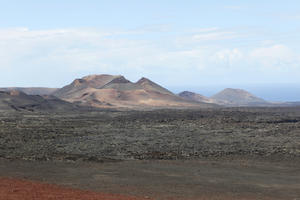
point(286, 104)
point(238, 97)
point(108, 91)
point(17, 101)
point(32, 90)
point(228, 97)
point(116, 91)
point(195, 97)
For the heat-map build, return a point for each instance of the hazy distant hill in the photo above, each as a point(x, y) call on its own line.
point(32, 90)
point(195, 97)
point(116, 91)
point(228, 97)
point(17, 100)
point(239, 97)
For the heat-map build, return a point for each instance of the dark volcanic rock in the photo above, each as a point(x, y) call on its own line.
point(160, 134)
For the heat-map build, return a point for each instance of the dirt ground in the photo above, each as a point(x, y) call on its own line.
point(15, 189)
point(233, 179)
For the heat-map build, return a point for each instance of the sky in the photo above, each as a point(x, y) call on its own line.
point(196, 45)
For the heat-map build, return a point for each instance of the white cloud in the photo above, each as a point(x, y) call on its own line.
point(76, 48)
point(92, 50)
point(210, 36)
point(80, 49)
point(272, 52)
point(228, 56)
point(276, 56)
point(220, 35)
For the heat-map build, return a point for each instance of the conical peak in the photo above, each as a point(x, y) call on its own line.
point(232, 91)
point(120, 79)
point(144, 80)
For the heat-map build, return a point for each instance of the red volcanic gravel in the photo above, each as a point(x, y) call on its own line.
point(15, 189)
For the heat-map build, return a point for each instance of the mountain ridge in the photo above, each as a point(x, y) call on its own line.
point(116, 91)
point(113, 91)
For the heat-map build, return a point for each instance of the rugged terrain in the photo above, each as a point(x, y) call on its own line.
point(160, 134)
point(224, 153)
point(54, 149)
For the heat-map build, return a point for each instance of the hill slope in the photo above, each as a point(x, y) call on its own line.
point(195, 97)
point(17, 101)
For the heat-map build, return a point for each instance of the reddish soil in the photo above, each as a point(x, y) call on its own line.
point(156, 180)
point(15, 189)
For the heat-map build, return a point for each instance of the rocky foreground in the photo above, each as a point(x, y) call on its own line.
point(160, 134)
point(228, 153)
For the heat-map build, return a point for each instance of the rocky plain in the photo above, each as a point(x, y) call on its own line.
point(103, 137)
point(219, 153)
point(158, 134)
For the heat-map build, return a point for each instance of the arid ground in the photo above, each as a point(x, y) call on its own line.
point(232, 153)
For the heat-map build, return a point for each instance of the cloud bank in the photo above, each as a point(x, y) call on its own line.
point(207, 55)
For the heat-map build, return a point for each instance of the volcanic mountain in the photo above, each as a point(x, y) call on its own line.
point(238, 97)
point(116, 91)
point(195, 97)
point(17, 100)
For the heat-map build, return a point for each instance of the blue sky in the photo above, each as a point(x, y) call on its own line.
point(203, 46)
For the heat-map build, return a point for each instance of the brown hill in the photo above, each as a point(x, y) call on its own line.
point(32, 90)
point(117, 91)
point(17, 100)
point(196, 97)
point(149, 85)
point(93, 81)
point(238, 97)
